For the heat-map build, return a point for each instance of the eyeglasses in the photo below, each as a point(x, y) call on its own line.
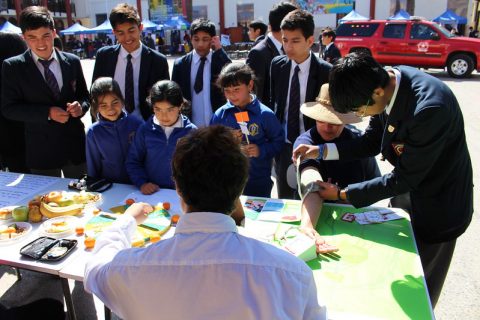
point(364, 112)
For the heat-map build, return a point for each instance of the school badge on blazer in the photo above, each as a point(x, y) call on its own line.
point(253, 129)
point(398, 148)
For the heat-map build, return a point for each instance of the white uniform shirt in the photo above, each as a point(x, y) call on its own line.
point(303, 79)
point(201, 102)
point(205, 271)
point(119, 76)
point(54, 67)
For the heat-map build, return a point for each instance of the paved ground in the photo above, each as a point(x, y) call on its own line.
point(459, 299)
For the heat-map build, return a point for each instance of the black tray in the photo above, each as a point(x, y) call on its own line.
point(44, 248)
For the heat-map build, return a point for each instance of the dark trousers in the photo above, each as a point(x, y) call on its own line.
point(69, 170)
point(436, 259)
point(282, 162)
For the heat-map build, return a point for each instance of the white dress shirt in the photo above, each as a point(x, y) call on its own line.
point(201, 103)
point(119, 76)
point(277, 43)
point(54, 67)
point(303, 78)
point(332, 153)
point(205, 271)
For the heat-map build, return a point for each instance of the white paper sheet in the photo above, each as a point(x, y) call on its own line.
point(163, 195)
point(16, 188)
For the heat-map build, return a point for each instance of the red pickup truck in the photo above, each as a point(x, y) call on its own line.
point(415, 42)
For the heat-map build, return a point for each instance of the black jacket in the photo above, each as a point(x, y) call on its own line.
point(182, 70)
point(331, 54)
point(280, 78)
point(153, 67)
point(259, 59)
point(26, 97)
point(424, 139)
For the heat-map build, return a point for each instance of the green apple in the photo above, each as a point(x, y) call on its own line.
point(20, 213)
point(65, 203)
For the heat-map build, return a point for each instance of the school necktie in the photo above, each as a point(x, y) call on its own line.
point(50, 78)
point(198, 85)
point(293, 122)
point(129, 97)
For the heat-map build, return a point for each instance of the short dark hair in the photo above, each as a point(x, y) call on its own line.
point(353, 80)
point(234, 74)
point(299, 19)
point(327, 32)
point(166, 90)
point(123, 13)
point(209, 169)
point(11, 44)
point(101, 87)
point(35, 17)
point(258, 24)
point(204, 25)
point(278, 12)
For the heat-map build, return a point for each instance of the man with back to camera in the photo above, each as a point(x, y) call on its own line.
point(135, 66)
point(260, 56)
point(417, 125)
point(206, 270)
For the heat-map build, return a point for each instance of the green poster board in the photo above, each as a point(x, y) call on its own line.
point(376, 274)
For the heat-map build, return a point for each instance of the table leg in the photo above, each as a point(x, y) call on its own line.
point(108, 313)
point(68, 299)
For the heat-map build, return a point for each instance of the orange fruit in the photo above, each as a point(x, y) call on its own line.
point(155, 238)
point(79, 230)
point(175, 219)
point(96, 211)
point(89, 242)
point(129, 202)
point(166, 205)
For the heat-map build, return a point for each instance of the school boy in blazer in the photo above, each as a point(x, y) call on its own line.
point(261, 55)
point(45, 89)
point(197, 72)
point(294, 79)
point(417, 125)
point(331, 53)
point(147, 66)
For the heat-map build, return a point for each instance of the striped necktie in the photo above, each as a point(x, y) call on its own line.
point(50, 77)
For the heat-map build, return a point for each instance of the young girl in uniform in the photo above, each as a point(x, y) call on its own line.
point(109, 139)
point(265, 137)
point(148, 162)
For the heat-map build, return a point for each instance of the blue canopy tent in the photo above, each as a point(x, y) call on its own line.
point(353, 16)
point(450, 17)
point(10, 27)
point(77, 28)
point(177, 22)
point(149, 25)
point(105, 27)
point(400, 15)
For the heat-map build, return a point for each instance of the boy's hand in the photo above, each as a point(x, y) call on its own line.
point(139, 211)
point(58, 114)
point(305, 151)
point(252, 150)
point(149, 188)
point(216, 44)
point(75, 109)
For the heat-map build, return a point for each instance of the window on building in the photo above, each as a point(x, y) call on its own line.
point(199, 12)
point(244, 13)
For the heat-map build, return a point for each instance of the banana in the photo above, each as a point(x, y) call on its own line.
point(52, 212)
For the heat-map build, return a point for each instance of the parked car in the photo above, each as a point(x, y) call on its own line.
point(415, 42)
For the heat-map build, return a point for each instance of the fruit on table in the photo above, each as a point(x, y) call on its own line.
point(175, 219)
point(79, 230)
point(65, 203)
point(166, 205)
point(129, 202)
point(138, 243)
point(20, 213)
point(52, 212)
point(53, 196)
point(34, 214)
point(89, 242)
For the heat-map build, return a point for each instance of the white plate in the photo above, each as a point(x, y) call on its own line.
point(71, 222)
point(3, 221)
point(28, 228)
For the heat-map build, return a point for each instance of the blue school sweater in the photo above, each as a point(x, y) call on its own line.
point(150, 156)
point(266, 132)
point(107, 147)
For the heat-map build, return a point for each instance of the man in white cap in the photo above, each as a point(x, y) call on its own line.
point(330, 127)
